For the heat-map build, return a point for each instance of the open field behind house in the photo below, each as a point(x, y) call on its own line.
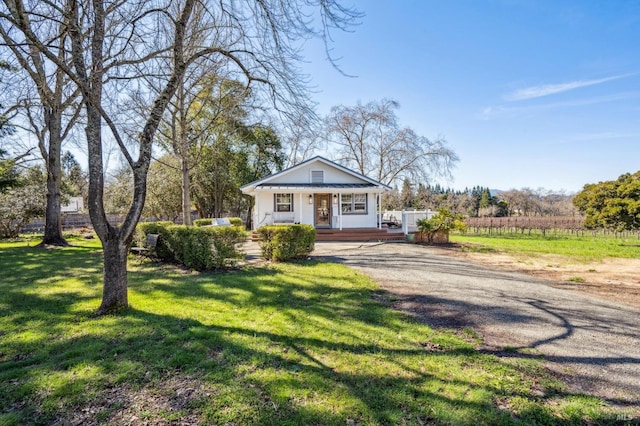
point(304, 343)
point(603, 265)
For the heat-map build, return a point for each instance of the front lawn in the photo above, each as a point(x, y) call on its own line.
point(304, 343)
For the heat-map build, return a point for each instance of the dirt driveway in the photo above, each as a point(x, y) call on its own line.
point(593, 343)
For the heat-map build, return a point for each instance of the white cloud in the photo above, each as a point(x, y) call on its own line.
point(552, 89)
point(502, 111)
point(605, 136)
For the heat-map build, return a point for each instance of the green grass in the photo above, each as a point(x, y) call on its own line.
point(292, 344)
point(578, 248)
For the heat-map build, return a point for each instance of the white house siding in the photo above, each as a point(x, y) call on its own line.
point(264, 213)
point(303, 175)
point(75, 205)
point(298, 181)
point(303, 212)
point(368, 220)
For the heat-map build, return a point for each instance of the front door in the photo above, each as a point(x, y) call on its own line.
point(323, 210)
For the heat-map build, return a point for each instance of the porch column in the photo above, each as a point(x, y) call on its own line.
point(256, 213)
point(300, 209)
point(340, 209)
point(379, 207)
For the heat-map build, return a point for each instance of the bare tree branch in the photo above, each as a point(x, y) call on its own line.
point(368, 138)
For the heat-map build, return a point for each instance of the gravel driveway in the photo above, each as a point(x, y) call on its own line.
point(594, 343)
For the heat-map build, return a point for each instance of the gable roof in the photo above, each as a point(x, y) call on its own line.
point(264, 182)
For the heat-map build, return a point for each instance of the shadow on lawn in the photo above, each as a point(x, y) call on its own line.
point(80, 369)
point(20, 266)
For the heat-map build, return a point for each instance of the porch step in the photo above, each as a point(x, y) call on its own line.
point(358, 235)
point(354, 234)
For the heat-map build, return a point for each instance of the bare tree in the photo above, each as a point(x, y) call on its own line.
point(119, 47)
point(164, 189)
point(539, 202)
point(49, 107)
point(369, 138)
point(204, 104)
point(203, 99)
point(302, 139)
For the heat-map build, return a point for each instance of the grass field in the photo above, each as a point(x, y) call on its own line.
point(577, 248)
point(296, 344)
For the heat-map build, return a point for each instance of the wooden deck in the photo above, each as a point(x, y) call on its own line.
point(354, 234)
point(359, 234)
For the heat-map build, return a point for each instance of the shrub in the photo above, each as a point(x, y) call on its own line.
point(196, 247)
point(191, 247)
point(225, 241)
point(285, 242)
point(202, 222)
point(163, 248)
point(235, 221)
point(437, 228)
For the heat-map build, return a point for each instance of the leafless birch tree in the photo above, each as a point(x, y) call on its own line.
point(119, 47)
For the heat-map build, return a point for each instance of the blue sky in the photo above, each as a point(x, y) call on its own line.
point(527, 93)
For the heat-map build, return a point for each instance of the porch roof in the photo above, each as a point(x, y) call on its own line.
point(266, 186)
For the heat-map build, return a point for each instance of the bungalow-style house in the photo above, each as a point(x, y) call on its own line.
point(317, 192)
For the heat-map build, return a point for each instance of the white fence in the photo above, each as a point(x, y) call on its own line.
point(407, 219)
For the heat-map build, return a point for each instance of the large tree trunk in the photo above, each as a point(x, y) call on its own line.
point(186, 192)
point(53, 219)
point(114, 290)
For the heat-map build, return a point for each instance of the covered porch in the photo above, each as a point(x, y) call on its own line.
point(317, 192)
point(328, 206)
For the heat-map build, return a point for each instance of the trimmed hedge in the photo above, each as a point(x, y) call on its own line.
point(202, 222)
point(163, 250)
point(235, 221)
point(285, 242)
point(195, 247)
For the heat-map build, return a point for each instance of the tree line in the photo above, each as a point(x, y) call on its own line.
point(609, 205)
point(480, 201)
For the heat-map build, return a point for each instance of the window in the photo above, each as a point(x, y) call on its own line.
point(317, 176)
point(360, 203)
point(347, 203)
point(284, 202)
point(354, 204)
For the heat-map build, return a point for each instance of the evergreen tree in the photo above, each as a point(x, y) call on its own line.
point(485, 199)
point(408, 197)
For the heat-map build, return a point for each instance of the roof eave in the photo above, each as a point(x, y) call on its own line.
point(316, 158)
